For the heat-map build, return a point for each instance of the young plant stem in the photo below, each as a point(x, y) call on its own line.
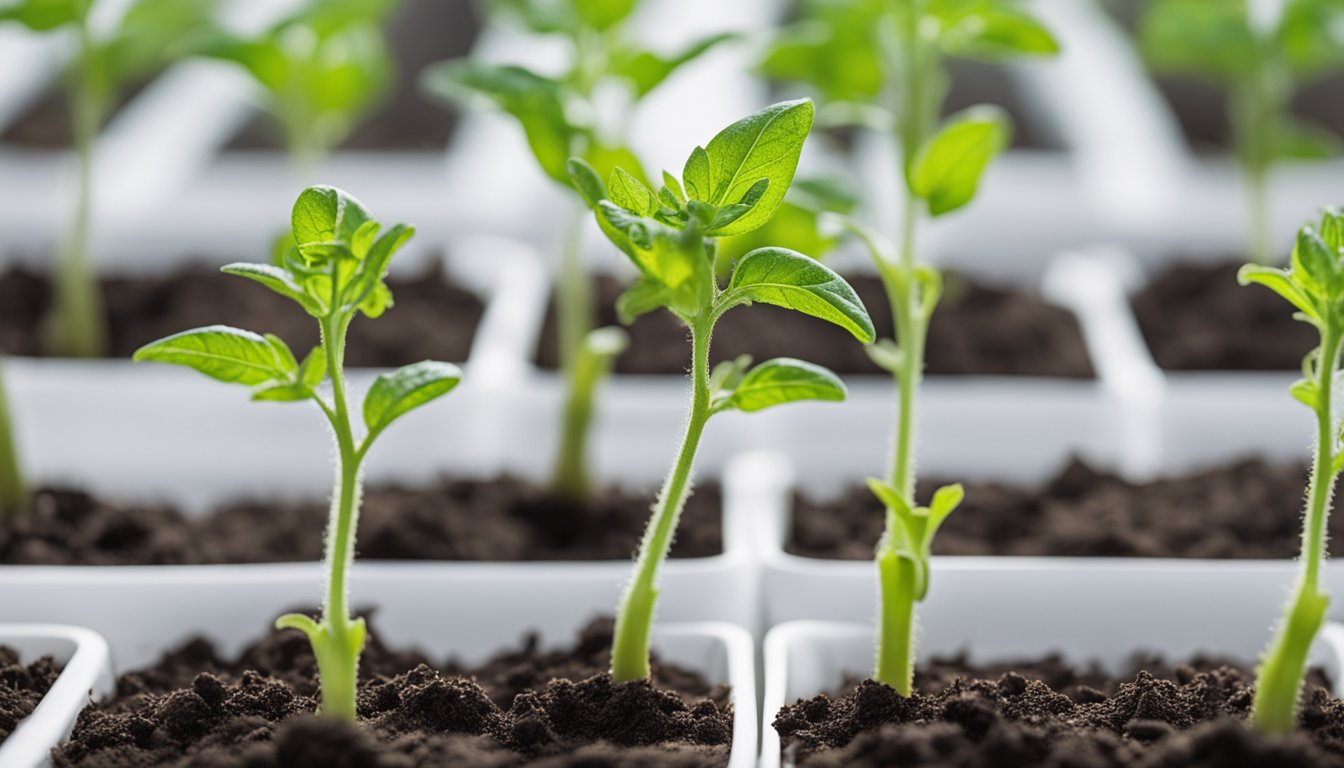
point(1279, 679)
point(13, 492)
point(338, 640)
point(1255, 105)
point(77, 322)
point(634, 617)
point(897, 575)
point(582, 369)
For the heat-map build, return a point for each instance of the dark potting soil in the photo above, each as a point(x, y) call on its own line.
point(977, 330)
point(1195, 316)
point(459, 520)
point(22, 687)
point(1249, 509)
point(422, 32)
point(525, 707)
point(432, 318)
point(1049, 715)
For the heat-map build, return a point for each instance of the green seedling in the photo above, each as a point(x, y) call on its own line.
point(563, 116)
point(730, 186)
point(321, 69)
point(150, 35)
point(13, 490)
point(1260, 53)
point(1313, 284)
point(335, 271)
point(884, 65)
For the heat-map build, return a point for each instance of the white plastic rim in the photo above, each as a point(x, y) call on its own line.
point(86, 674)
point(183, 438)
point(794, 587)
point(805, 658)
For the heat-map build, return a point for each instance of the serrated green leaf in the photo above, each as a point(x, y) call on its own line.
point(696, 175)
point(630, 193)
point(643, 296)
point(405, 389)
point(673, 187)
point(788, 279)
point(280, 280)
point(764, 145)
point(222, 353)
point(1280, 282)
point(947, 171)
point(647, 70)
point(534, 101)
point(586, 181)
point(327, 215)
point(1314, 265)
point(784, 380)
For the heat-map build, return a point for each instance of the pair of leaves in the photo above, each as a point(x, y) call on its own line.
point(737, 387)
point(911, 530)
point(339, 258)
point(266, 364)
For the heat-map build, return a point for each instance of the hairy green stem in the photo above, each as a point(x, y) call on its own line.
point(13, 491)
point(634, 618)
point(76, 328)
point(338, 650)
point(916, 66)
point(1283, 666)
point(583, 370)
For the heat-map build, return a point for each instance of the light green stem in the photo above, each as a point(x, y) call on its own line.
point(338, 652)
point(1283, 666)
point(76, 328)
point(1257, 104)
point(634, 618)
point(582, 369)
point(916, 66)
point(13, 491)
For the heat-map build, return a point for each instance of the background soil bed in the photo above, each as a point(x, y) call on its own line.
point(431, 319)
point(1195, 316)
point(978, 330)
point(1249, 509)
point(453, 520)
point(1049, 715)
point(523, 707)
point(22, 687)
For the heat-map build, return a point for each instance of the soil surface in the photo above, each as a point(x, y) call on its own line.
point(1048, 715)
point(145, 308)
point(524, 707)
point(496, 520)
point(1196, 317)
point(424, 32)
point(22, 687)
point(977, 330)
point(1249, 509)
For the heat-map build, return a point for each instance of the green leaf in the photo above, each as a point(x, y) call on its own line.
point(1314, 265)
point(1305, 392)
point(1209, 39)
point(886, 354)
point(788, 279)
point(784, 380)
point(1332, 229)
point(646, 70)
point(406, 389)
point(44, 15)
point(947, 171)
point(696, 175)
point(643, 296)
point(993, 31)
point(631, 194)
point(1279, 281)
point(324, 215)
point(280, 280)
point(836, 49)
point(586, 181)
point(226, 354)
point(313, 369)
point(603, 14)
point(945, 501)
point(765, 145)
point(534, 101)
